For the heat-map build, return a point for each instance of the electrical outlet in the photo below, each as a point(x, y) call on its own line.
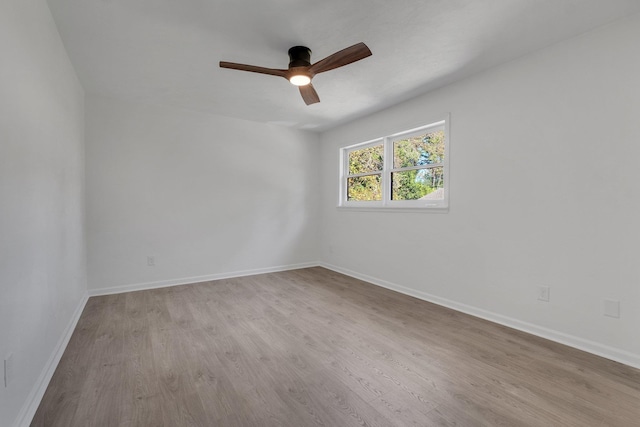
point(612, 308)
point(8, 369)
point(544, 293)
point(151, 261)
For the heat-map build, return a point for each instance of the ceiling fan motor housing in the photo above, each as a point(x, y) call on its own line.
point(299, 56)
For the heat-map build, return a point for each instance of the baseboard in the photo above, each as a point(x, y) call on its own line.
point(25, 416)
point(196, 279)
point(592, 347)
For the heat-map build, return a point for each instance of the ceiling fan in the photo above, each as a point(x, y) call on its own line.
point(301, 71)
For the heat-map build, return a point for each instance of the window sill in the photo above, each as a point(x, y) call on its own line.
point(428, 210)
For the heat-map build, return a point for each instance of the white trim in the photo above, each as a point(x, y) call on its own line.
point(411, 168)
point(387, 164)
point(435, 209)
point(365, 144)
point(30, 406)
point(358, 175)
point(196, 279)
point(592, 347)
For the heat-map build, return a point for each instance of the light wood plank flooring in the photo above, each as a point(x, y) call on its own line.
point(313, 347)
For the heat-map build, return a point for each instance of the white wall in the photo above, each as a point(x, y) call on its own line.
point(207, 196)
point(42, 248)
point(544, 191)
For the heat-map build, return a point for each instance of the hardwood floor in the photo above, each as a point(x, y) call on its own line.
point(316, 348)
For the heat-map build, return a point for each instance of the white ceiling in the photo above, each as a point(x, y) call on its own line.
point(167, 51)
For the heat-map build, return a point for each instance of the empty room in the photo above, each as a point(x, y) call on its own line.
point(338, 213)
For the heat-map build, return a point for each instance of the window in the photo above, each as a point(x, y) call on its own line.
point(404, 170)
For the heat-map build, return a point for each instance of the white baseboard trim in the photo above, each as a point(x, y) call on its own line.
point(25, 416)
point(196, 279)
point(592, 347)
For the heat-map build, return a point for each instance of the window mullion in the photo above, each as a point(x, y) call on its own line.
point(427, 166)
point(358, 175)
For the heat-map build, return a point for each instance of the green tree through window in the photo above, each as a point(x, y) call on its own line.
point(364, 161)
point(423, 150)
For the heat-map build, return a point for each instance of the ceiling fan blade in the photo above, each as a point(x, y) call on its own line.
point(309, 94)
point(345, 56)
point(253, 69)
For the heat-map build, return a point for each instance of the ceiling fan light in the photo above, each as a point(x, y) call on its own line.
point(300, 80)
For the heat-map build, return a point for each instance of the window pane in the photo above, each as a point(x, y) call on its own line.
point(419, 150)
point(366, 160)
point(363, 188)
point(418, 184)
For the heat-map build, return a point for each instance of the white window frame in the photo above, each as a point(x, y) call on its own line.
point(386, 203)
